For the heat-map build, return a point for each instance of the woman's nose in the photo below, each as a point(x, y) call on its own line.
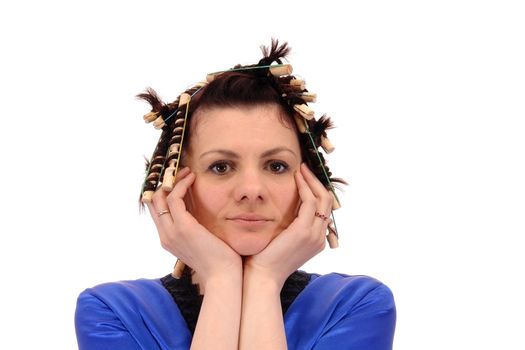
point(250, 186)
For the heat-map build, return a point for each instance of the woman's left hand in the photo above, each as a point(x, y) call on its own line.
point(304, 238)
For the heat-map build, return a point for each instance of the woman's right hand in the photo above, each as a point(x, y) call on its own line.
point(184, 237)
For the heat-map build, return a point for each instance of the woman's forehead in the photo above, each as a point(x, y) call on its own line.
point(241, 117)
point(239, 126)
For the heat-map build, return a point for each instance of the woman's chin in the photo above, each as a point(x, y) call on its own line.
point(248, 245)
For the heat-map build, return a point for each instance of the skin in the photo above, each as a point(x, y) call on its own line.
point(244, 189)
point(243, 219)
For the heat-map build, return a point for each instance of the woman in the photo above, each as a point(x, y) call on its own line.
point(241, 195)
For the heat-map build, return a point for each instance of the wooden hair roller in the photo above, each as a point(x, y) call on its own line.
point(176, 138)
point(331, 237)
point(158, 123)
point(153, 176)
point(282, 69)
point(210, 77)
point(174, 148)
point(169, 179)
point(147, 196)
point(297, 83)
point(299, 121)
point(151, 116)
point(178, 269)
point(333, 242)
point(184, 98)
point(308, 96)
point(304, 111)
point(154, 166)
point(327, 145)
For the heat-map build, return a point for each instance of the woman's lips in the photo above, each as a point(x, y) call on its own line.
point(249, 217)
point(249, 221)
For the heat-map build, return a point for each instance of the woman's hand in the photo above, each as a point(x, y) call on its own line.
point(304, 238)
point(183, 236)
point(218, 267)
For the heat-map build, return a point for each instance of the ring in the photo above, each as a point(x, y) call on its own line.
point(322, 216)
point(162, 212)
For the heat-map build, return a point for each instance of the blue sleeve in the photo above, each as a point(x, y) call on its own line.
point(98, 327)
point(337, 311)
point(367, 325)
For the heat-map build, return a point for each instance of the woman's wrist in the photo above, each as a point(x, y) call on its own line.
point(266, 279)
point(227, 277)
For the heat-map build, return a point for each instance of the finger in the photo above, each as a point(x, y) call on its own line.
point(160, 205)
point(323, 203)
point(161, 213)
point(182, 173)
point(318, 189)
point(175, 199)
point(320, 224)
point(308, 200)
point(324, 198)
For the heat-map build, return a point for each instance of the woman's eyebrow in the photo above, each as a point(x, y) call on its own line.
point(224, 152)
point(276, 150)
point(231, 154)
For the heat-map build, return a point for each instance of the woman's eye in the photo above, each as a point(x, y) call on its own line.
point(278, 167)
point(220, 168)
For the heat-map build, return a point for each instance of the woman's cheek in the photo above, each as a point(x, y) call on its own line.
point(289, 198)
point(208, 199)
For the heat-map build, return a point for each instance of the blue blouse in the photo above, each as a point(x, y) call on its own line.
point(334, 311)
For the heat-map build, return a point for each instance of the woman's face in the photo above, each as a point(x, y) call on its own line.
point(244, 159)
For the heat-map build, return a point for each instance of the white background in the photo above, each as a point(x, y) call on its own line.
point(428, 97)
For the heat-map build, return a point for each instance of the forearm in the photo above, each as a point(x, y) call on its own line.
point(262, 325)
point(220, 314)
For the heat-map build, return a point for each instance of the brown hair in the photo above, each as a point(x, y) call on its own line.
point(237, 89)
